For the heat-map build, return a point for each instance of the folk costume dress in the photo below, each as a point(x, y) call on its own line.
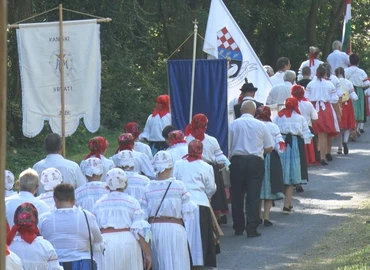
point(348, 120)
point(360, 81)
point(272, 185)
point(178, 145)
point(322, 95)
point(156, 122)
point(213, 155)
point(309, 113)
point(199, 179)
point(134, 129)
point(296, 133)
point(122, 222)
point(24, 240)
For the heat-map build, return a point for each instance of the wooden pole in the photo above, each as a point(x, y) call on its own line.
point(3, 88)
point(193, 70)
point(61, 65)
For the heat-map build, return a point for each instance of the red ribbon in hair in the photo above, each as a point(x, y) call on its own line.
point(198, 126)
point(126, 142)
point(312, 59)
point(25, 223)
point(195, 150)
point(133, 128)
point(263, 113)
point(97, 145)
point(163, 106)
point(298, 92)
point(291, 104)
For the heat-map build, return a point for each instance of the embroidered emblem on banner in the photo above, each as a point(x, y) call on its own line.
point(55, 62)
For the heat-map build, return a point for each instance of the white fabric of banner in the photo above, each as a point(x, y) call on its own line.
point(39, 61)
point(225, 39)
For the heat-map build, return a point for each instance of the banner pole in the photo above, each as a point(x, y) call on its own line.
point(61, 65)
point(3, 96)
point(193, 69)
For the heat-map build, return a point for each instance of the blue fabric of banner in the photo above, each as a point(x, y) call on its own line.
point(210, 95)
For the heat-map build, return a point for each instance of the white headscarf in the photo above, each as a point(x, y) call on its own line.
point(92, 166)
point(162, 161)
point(50, 178)
point(9, 180)
point(116, 178)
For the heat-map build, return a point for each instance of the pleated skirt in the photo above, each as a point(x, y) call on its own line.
point(327, 121)
point(347, 120)
point(291, 162)
point(169, 247)
point(122, 251)
point(272, 173)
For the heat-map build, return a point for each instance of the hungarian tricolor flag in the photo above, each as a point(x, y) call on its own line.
point(346, 36)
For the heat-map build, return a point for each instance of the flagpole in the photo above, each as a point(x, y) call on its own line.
point(3, 96)
point(193, 69)
point(61, 66)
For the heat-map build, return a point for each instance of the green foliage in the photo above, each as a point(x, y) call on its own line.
point(143, 33)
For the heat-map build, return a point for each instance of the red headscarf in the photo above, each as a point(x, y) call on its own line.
point(133, 128)
point(25, 222)
point(298, 92)
point(163, 106)
point(263, 113)
point(291, 104)
point(195, 150)
point(197, 127)
point(97, 145)
point(175, 137)
point(126, 142)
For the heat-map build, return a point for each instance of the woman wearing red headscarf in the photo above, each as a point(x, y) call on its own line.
point(156, 122)
point(309, 113)
point(134, 129)
point(199, 180)
point(272, 185)
point(325, 99)
point(24, 240)
point(296, 133)
point(213, 155)
point(98, 147)
point(142, 163)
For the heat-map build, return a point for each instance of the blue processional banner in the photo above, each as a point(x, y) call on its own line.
point(210, 95)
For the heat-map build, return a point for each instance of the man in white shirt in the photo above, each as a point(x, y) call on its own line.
point(28, 184)
point(249, 141)
point(283, 64)
point(70, 170)
point(338, 58)
point(279, 93)
point(68, 229)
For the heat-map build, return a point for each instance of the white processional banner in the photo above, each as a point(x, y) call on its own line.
point(39, 61)
point(224, 39)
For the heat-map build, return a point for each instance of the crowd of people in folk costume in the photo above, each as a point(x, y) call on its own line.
point(159, 201)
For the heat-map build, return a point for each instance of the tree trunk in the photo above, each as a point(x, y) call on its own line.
point(335, 17)
point(312, 23)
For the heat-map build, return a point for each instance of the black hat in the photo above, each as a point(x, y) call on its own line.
point(248, 87)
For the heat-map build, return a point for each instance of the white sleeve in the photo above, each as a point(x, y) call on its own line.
point(345, 59)
point(313, 114)
point(333, 94)
point(80, 178)
point(209, 182)
point(146, 131)
point(267, 139)
point(147, 167)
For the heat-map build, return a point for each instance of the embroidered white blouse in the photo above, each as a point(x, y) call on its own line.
point(296, 125)
point(39, 255)
point(178, 151)
point(143, 148)
point(142, 164)
point(154, 127)
point(66, 229)
point(48, 198)
point(308, 111)
point(348, 86)
point(275, 134)
point(335, 81)
point(212, 152)
point(321, 90)
point(199, 179)
point(316, 64)
point(119, 210)
point(176, 204)
point(88, 194)
point(357, 76)
point(136, 184)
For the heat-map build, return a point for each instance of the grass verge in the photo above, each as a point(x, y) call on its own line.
point(346, 247)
